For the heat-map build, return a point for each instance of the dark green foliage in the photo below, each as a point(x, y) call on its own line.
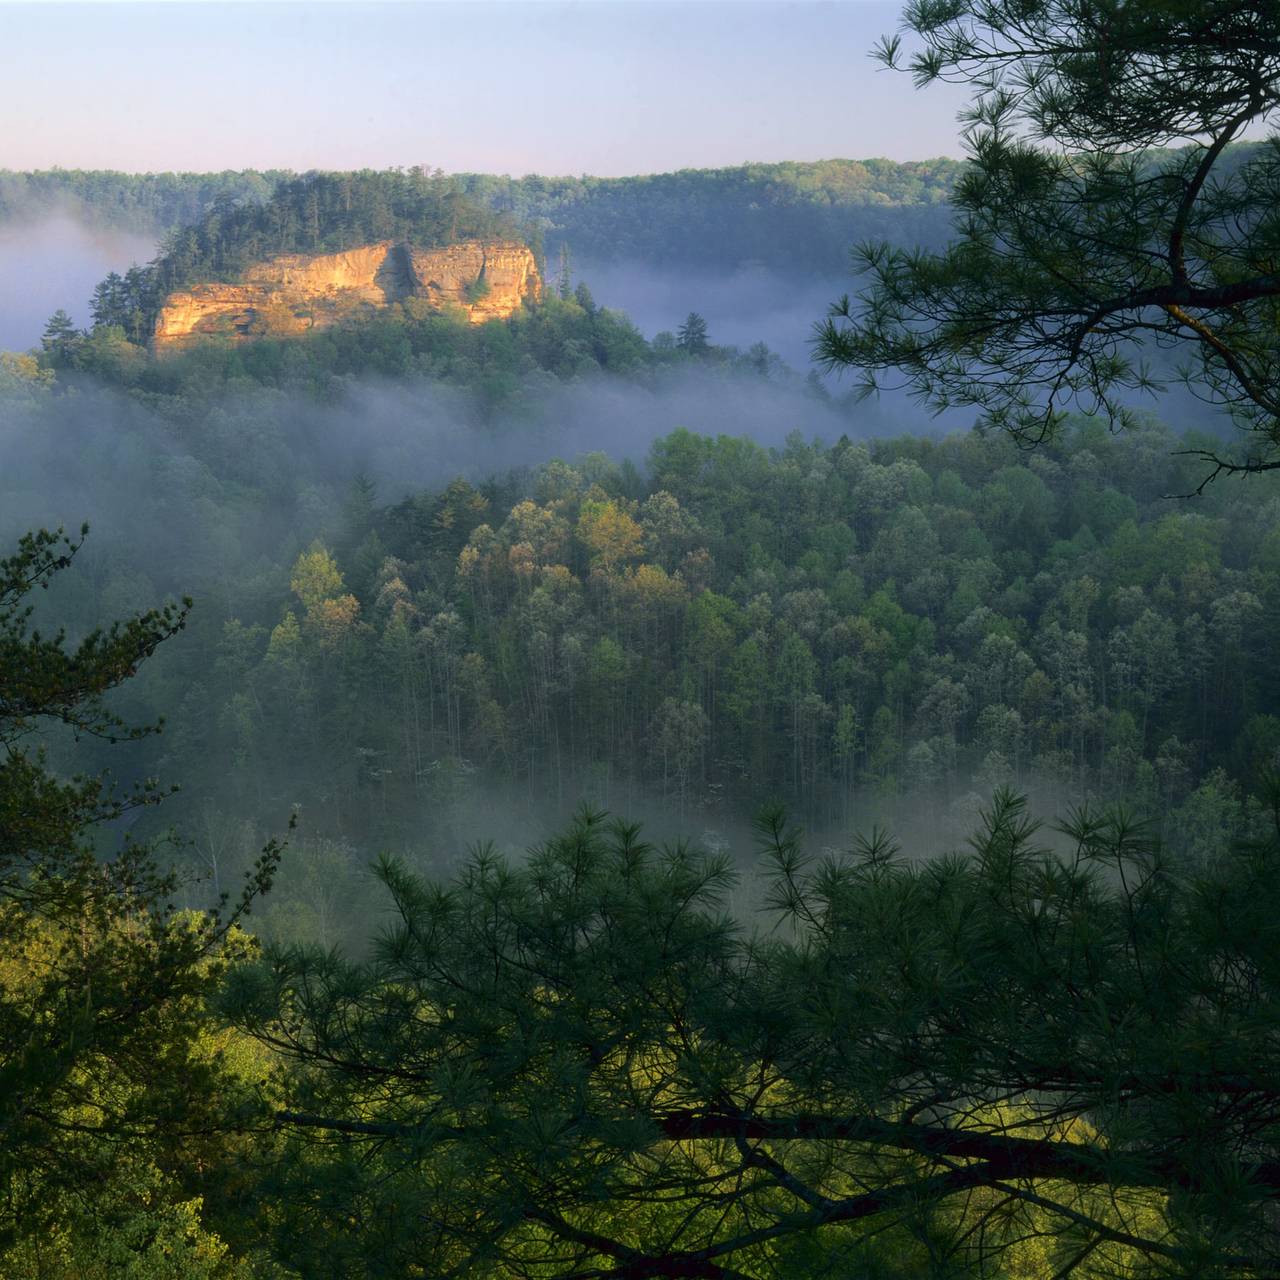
point(60, 339)
point(491, 360)
point(1001, 1062)
point(323, 212)
point(120, 302)
point(92, 959)
point(1078, 263)
point(868, 631)
point(692, 335)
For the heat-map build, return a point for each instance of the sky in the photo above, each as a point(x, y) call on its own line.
point(605, 87)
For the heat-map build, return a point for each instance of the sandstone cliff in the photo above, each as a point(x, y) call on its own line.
point(294, 294)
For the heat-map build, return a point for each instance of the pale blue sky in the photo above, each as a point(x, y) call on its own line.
point(596, 86)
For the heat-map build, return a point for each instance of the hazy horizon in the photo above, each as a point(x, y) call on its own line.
point(513, 174)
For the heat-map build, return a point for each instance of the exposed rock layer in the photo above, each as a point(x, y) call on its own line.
point(294, 294)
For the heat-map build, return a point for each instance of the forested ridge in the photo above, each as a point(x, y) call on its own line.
point(865, 630)
point(798, 217)
point(895, 629)
point(149, 203)
point(802, 218)
point(319, 213)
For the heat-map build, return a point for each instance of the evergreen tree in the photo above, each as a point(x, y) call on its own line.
point(1076, 263)
point(60, 338)
point(581, 1066)
point(564, 278)
point(98, 975)
point(692, 334)
point(107, 306)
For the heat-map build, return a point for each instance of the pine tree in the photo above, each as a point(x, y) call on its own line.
point(692, 335)
point(564, 283)
point(581, 1066)
point(60, 338)
point(1081, 249)
point(92, 956)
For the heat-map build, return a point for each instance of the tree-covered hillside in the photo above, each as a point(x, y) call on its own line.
point(862, 630)
point(840, 627)
point(858, 629)
point(800, 217)
point(796, 218)
point(323, 213)
point(146, 203)
point(976, 1065)
point(938, 933)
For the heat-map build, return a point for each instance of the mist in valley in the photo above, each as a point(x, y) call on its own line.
point(751, 304)
point(511, 770)
point(55, 263)
point(218, 497)
point(216, 502)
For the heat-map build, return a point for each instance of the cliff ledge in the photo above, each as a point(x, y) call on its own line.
point(294, 294)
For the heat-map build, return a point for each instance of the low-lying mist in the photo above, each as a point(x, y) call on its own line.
point(216, 494)
point(216, 498)
point(751, 304)
point(104, 457)
point(55, 264)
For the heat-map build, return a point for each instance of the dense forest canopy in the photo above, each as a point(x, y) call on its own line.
point(147, 203)
point(803, 218)
point(858, 632)
point(867, 630)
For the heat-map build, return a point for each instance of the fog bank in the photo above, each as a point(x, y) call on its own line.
point(103, 456)
point(52, 264)
point(749, 305)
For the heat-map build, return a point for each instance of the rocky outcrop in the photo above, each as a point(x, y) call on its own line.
point(295, 294)
point(488, 280)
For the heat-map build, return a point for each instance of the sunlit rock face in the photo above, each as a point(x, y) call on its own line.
point(488, 280)
point(296, 293)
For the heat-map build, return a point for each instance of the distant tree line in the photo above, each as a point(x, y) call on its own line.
point(143, 203)
point(792, 216)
